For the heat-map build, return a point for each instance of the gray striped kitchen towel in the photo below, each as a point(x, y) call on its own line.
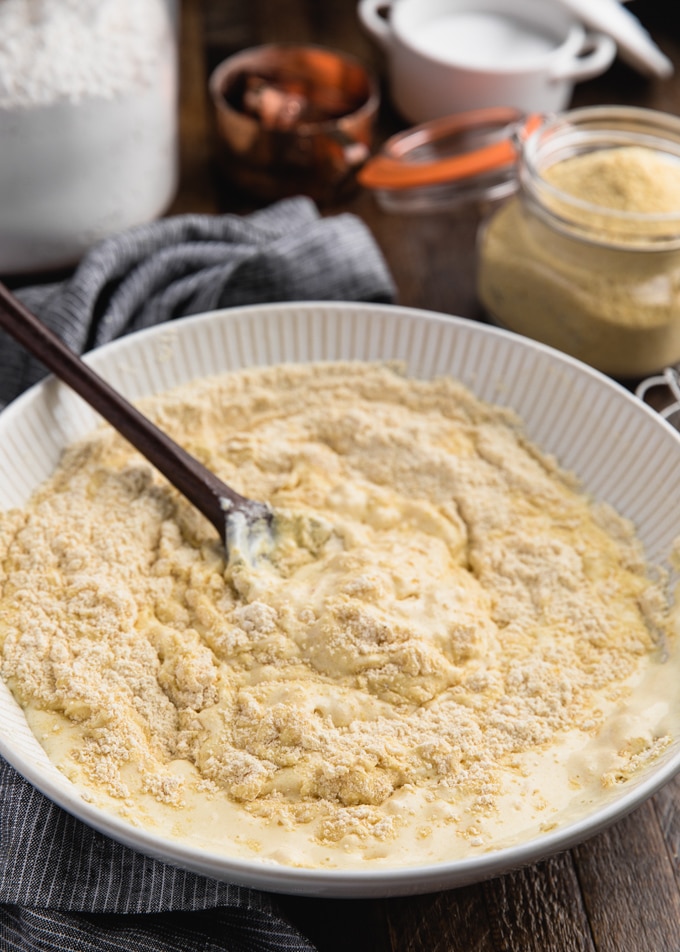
point(193, 263)
point(64, 887)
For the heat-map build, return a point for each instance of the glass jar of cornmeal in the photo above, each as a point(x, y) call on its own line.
point(585, 255)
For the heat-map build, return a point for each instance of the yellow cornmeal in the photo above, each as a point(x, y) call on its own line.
point(633, 179)
point(449, 648)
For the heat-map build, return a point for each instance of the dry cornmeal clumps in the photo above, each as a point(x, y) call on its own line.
point(441, 603)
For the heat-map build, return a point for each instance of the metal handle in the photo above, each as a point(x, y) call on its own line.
point(670, 379)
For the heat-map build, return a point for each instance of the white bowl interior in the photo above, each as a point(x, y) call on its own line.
point(620, 449)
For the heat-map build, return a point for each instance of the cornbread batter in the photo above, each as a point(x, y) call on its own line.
point(448, 649)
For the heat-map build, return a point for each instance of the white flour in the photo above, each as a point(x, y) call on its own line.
point(483, 40)
point(87, 124)
point(78, 49)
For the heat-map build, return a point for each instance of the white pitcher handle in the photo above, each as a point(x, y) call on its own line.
point(595, 56)
point(376, 24)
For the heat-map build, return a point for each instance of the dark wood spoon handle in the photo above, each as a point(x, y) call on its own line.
point(190, 477)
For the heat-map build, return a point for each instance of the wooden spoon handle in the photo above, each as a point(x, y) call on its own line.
point(192, 479)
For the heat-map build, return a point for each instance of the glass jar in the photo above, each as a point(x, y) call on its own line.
point(88, 124)
point(597, 282)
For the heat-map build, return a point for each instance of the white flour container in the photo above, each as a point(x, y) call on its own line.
point(88, 124)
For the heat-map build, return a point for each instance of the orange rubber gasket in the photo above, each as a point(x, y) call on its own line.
point(390, 169)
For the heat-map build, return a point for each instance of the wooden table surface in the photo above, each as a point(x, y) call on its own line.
point(619, 891)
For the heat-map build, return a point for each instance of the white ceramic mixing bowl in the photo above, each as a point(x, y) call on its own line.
point(622, 451)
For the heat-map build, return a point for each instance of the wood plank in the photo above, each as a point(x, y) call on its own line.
point(629, 886)
point(341, 925)
point(197, 190)
point(335, 23)
point(539, 909)
point(238, 25)
point(454, 921)
point(667, 807)
point(228, 28)
point(287, 22)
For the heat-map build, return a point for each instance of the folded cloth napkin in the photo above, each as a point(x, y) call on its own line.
point(62, 885)
point(66, 888)
point(194, 263)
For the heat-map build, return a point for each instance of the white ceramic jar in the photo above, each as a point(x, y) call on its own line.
point(450, 56)
point(88, 124)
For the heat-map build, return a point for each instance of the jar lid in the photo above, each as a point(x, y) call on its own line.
point(634, 43)
point(445, 162)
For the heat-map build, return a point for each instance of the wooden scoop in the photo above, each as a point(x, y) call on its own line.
point(242, 523)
